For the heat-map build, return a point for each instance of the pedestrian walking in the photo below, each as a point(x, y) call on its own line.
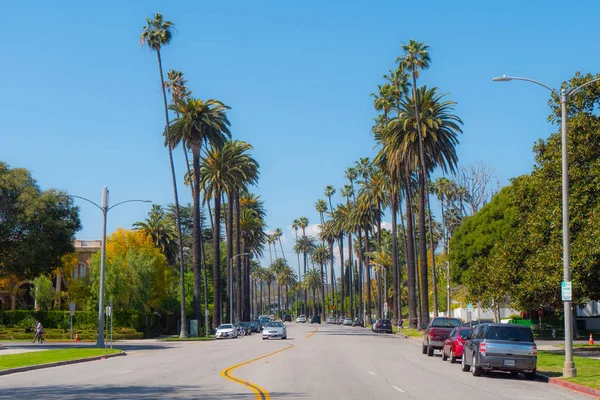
point(39, 332)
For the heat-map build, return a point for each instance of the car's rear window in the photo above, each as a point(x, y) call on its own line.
point(465, 332)
point(510, 333)
point(446, 323)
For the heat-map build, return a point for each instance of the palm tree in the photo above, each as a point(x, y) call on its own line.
point(162, 230)
point(156, 34)
point(320, 256)
point(305, 245)
point(321, 207)
point(328, 234)
point(276, 267)
point(329, 191)
point(313, 281)
point(278, 234)
point(287, 278)
point(268, 278)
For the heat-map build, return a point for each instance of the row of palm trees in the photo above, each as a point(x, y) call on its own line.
point(222, 170)
point(416, 132)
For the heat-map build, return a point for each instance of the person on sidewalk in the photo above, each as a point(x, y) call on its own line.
point(39, 332)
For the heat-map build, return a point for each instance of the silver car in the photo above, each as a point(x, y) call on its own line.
point(274, 330)
point(226, 331)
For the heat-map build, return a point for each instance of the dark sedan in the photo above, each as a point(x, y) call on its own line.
point(383, 325)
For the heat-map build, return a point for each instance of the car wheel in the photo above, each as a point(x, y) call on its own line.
point(285, 337)
point(264, 338)
point(444, 356)
point(465, 367)
point(476, 371)
point(423, 349)
point(429, 350)
point(530, 375)
point(452, 357)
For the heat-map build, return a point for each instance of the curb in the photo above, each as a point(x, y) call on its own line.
point(569, 385)
point(59, 363)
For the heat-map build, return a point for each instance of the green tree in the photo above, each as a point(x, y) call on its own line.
point(313, 281)
point(320, 256)
point(44, 292)
point(37, 227)
point(162, 230)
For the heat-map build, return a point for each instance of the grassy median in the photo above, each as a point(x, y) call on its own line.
point(411, 332)
point(588, 369)
point(188, 339)
point(9, 361)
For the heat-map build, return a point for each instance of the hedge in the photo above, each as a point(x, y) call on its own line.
point(22, 334)
point(82, 320)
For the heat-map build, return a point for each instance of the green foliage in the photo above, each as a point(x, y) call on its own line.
point(37, 226)
point(44, 292)
point(42, 357)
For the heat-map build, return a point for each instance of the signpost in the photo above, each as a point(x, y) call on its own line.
point(109, 314)
point(72, 312)
point(469, 310)
point(566, 291)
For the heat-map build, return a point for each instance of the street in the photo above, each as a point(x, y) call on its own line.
point(334, 362)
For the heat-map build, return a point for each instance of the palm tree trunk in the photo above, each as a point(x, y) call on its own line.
point(350, 258)
point(331, 273)
point(432, 248)
point(342, 293)
point(314, 302)
point(322, 293)
point(423, 252)
point(368, 267)
point(287, 297)
point(360, 275)
point(395, 269)
point(232, 291)
point(183, 321)
point(217, 293)
point(196, 243)
point(410, 262)
point(404, 238)
point(305, 297)
point(269, 297)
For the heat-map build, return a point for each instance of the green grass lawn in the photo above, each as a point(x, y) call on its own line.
point(189, 339)
point(48, 356)
point(588, 369)
point(409, 332)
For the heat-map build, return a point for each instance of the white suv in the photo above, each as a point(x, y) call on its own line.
point(301, 318)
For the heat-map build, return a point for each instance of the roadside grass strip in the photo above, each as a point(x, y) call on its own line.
point(10, 361)
point(411, 332)
point(188, 339)
point(260, 393)
point(588, 369)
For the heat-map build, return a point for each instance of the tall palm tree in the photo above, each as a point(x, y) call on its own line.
point(162, 230)
point(320, 256)
point(305, 245)
point(313, 281)
point(296, 226)
point(321, 208)
point(329, 192)
point(155, 34)
point(278, 234)
point(328, 234)
point(287, 278)
point(276, 267)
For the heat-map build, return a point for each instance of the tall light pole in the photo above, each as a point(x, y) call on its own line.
point(105, 209)
point(569, 369)
point(231, 285)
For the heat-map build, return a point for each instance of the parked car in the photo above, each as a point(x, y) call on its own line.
point(255, 326)
point(246, 327)
point(301, 318)
point(340, 320)
point(287, 318)
point(358, 322)
point(382, 325)
point(274, 330)
point(347, 321)
point(330, 320)
point(478, 321)
point(503, 347)
point(315, 319)
point(453, 346)
point(226, 331)
point(241, 331)
point(264, 319)
point(437, 332)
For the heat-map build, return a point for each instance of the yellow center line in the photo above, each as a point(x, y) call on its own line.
point(312, 333)
point(260, 393)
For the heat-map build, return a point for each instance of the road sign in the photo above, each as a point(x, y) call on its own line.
point(566, 290)
point(469, 307)
point(108, 311)
point(72, 308)
point(332, 307)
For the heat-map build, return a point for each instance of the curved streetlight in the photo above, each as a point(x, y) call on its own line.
point(569, 369)
point(231, 286)
point(105, 209)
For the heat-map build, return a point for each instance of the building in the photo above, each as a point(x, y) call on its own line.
point(85, 249)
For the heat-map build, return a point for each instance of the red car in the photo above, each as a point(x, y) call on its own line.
point(453, 346)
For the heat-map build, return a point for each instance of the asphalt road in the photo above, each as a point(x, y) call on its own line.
point(334, 363)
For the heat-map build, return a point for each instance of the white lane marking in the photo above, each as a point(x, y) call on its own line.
point(398, 389)
point(372, 373)
point(125, 372)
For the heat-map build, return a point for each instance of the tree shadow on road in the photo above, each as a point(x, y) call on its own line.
point(133, 392)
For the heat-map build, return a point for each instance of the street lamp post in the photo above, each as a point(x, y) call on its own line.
point(105, 209)
point(569, 369)
point(231, 285)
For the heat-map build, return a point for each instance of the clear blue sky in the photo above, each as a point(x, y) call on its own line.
point(82, 108)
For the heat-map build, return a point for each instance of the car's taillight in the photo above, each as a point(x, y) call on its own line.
point(431, 334)
point(534, 351)
point(482, 347)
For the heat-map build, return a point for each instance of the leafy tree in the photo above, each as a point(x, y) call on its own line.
point(137, 275)
point(162, 230)
point(36, 227)
point(44, 292)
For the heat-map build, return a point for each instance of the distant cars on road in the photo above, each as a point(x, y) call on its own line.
point(330, 320)
point(287, 318)
point(315, 319)
point(382, 325)
point(347, 321)
point(301, 318)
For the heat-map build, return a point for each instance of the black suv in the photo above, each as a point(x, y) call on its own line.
point(287, 318)
point(315, 319)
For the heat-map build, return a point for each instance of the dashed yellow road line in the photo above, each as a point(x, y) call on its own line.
point(312, 333)
point(260, 393)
